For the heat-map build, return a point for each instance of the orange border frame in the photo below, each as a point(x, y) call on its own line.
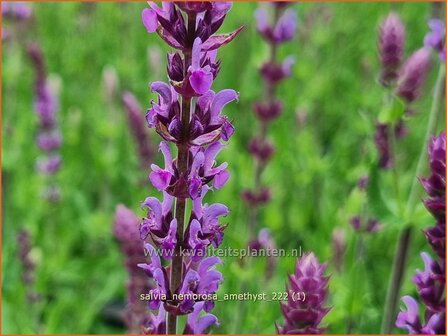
point(1, 116)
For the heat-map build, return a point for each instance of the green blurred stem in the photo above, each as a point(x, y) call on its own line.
point(182, 165)
point(400, 257)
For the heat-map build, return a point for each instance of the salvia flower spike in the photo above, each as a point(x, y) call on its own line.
point(187, 115)
point(276, 27)
point(430, 282)
point(46, 106)
point(303, 316)
point(126, 231)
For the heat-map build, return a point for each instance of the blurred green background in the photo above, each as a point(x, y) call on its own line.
point(313, 174)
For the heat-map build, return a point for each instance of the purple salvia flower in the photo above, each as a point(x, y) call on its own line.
point(136, 120)
point(436, 38)
point(430, 282)
point(16, 10)
point(391, 46)
point(198, 325)
point(304, 317)
point(126, 231)
point(187, 114)
point(282, 30)
point(412, 75)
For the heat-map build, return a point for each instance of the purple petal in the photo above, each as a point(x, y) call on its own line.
point(194, 188)
point(164, 148)
point(221, 178)
point(150, 20)
point(207, 263)
point(287, 65)
point(155, 207)
point(205, 100)
point(164, 90)
point(221, 99)
point(286, 26)
point(216, 41)
point(195, 54)
point(204, 323)
point(215, 210)
point(227, 130)
point(201, 81)
point(211, 153)
point(262, 19)
point(159, 178)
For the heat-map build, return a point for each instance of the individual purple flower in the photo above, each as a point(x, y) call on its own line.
point(391, 47)
point(156, 324)
point(49, 165)
point(187, 114)
point(430, 282)
point(207, 125)
point(412, 75)
point(125, 230)
point(435, 39)
point(198, 325)
point(16, 10)
point(49, 141)
point(304, 316)
point(411, 320)
point(135, 118)
point(282, 30)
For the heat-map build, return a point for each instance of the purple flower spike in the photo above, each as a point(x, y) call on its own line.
point(412, 75)
point(46, 107)
point(189, 115)
point(304, 317)
point(126, 232)
point(430, 282)
point(277, 25)
point(391, 46)
point(436, 38)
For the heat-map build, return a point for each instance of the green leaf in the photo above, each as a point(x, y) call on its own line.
point(391, 113)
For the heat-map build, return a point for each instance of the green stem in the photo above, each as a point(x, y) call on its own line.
point(182, 166)
point(400, 257)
